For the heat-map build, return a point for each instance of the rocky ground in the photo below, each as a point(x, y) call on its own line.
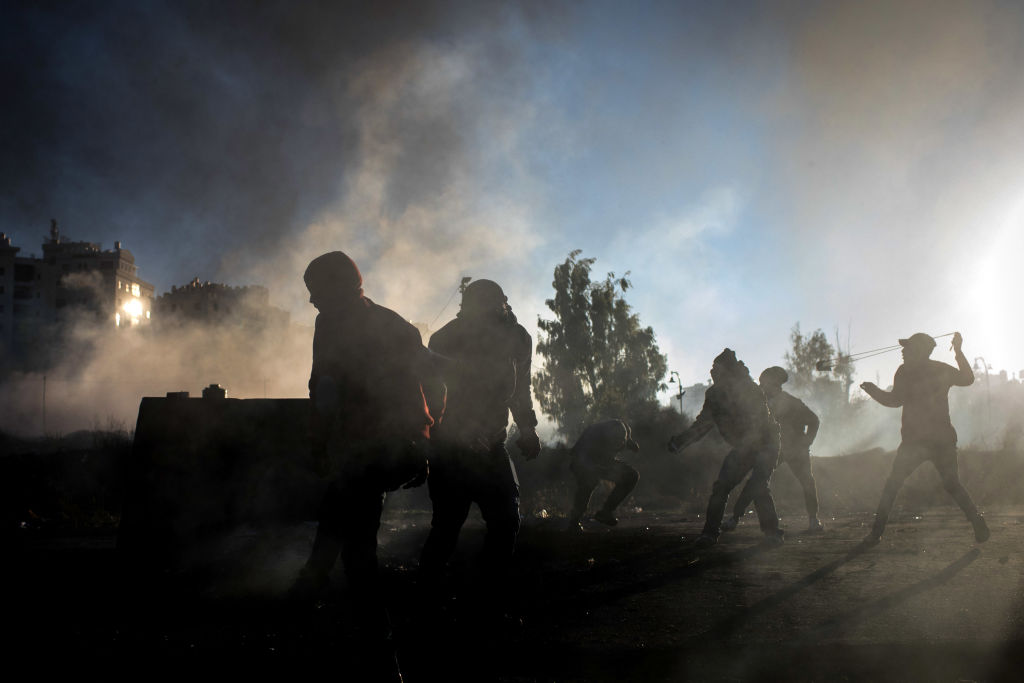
point(632, 603)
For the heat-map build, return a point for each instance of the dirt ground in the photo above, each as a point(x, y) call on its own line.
point(632, 603)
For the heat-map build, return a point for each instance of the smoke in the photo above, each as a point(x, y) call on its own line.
point(271, 136)
point(897, 166)
point(226, 134)
point(104, 372)
point(415, 210)
point(845, 165)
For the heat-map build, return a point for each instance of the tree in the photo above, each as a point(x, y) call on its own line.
point(599, 361)
point(803, 359)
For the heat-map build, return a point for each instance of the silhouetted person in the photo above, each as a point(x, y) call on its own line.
point(737, 407)
point(593, 460)
point(798, 425)
point(469, 462)
point(370, 425)
point(921, 386)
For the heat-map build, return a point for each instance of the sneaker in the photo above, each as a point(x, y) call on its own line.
point(814, 525)
point(730, 524)
point(774, 538)
point(705, 541)
point(981, 532)
point(606, 517)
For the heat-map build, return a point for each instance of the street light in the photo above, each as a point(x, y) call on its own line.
point(674, 379)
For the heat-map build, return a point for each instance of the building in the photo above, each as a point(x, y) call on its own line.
point(7, 257)
point(215, 303)
point(71, 282)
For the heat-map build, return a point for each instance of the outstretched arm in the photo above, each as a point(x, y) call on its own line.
point(889, 399)
point(692, 434)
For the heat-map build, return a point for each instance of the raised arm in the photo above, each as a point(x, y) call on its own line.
point(964, 375)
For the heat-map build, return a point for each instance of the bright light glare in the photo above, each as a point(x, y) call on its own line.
point(990, 296)
point(133, 307)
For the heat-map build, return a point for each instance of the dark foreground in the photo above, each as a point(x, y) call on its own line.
point(633, 603)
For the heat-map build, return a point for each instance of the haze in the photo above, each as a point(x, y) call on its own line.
point(854, 166)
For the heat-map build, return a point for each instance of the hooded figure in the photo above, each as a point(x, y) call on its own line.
point(593, 460)
point(369, 429)
point(921, 387)
point(736, 406)
point(490, 380)
point(799, 425)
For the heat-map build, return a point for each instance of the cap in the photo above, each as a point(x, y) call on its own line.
point(918, 340)
point(334, 271)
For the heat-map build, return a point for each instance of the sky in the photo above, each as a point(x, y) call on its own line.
point(849, 166)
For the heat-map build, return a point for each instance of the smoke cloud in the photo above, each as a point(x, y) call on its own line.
point(847, 166)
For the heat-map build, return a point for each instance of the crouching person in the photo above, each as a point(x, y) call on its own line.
point(593, 461)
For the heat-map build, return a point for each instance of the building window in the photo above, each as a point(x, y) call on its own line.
point(135, 289)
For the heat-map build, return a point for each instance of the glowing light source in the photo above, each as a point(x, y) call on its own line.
point(133, 307)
